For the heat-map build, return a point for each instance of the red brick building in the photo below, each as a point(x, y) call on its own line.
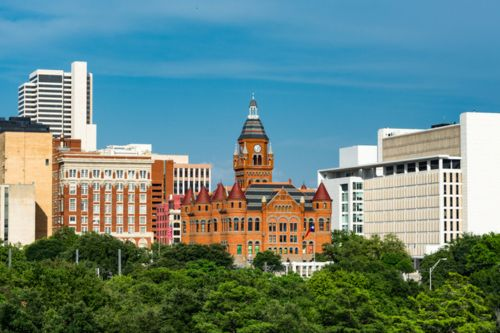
point(168, 223)
point(258, 214)
point(103, 193)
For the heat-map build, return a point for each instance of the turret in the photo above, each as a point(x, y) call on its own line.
point(321, 199)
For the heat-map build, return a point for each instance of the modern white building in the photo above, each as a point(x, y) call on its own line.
point(61, 100)
point(346, 187)
point(427, 186)
point(17, 214)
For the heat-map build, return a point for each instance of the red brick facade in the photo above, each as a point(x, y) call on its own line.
point(101, 193)
point(258, 214)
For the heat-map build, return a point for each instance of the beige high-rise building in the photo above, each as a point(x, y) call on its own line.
point(26, 158)
point(427, 186)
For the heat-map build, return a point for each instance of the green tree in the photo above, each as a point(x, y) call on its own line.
point(456, 306)
point(178, 255)
point(268, 261)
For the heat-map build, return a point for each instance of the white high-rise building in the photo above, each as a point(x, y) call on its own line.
point(62, 101)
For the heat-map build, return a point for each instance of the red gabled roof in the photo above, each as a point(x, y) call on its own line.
point(236, 193)
point(203, 197)
point(321, 194)
point(220, 193)
point(188, 198)
point(303, 187)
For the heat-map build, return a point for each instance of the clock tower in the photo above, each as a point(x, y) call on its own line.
point(253, 158)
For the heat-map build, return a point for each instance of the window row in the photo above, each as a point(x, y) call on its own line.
point(191, 172)
point(324, 225)
point(107, 220)
point(108, 208)
point(118, 230)
point(106, 173)
point(108, 187)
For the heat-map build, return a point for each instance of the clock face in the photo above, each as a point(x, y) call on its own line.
point(257, 148)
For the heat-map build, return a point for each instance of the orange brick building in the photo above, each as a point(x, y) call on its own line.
point(258, 214)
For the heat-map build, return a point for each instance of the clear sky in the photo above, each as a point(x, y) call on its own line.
point(326, 74)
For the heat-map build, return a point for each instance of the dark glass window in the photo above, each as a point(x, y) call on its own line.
point(50, 78)
point(434, 164)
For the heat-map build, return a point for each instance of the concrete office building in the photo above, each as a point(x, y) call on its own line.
point(25, 158)
point(61, 100)
point(17, 214)
point(427, 187)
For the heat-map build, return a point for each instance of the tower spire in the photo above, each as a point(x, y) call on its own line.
point(252, 109)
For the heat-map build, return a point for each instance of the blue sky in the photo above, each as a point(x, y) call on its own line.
point(326, 74)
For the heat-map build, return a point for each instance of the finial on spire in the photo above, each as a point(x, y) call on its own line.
point(252, 114)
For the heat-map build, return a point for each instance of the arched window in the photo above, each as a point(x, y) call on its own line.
point(310, 248)
point(236, 224)
point(281, 251)
point(311, 225)
point(304, 247)
point(230, 225)
point(203, 223)
point(305, 224)
point(254, 159)
point(257, 247)
point(183, 227)
point(328, 224)
point(296, 250)
point(285, 250)
point(242, 224)
point(257, 224)
point(197, 226)
point(215, 225)
point(239, 204)
point(259, 160)
point(250, 248)
point(250, 224)
point(208, 225)
point(321, 223)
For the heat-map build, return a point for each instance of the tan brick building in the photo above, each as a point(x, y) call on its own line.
point(25, 158)
point(258, 214)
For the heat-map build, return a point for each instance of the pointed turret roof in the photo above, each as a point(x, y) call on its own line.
point(321, 194)
point(188, 198)
point(220, 193)
point(253, 128)
point(236, 193)
point(203, 196)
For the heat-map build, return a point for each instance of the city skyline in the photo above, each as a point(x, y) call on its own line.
point(391, 65)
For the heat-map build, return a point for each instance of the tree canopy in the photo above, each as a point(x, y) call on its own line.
point(195, 288)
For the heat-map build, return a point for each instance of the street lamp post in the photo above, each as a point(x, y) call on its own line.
point(432, 268)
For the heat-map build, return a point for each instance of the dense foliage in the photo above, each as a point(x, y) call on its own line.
point(193, 288)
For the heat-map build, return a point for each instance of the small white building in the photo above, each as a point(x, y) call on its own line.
point(17, 214)
point(305, 268)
